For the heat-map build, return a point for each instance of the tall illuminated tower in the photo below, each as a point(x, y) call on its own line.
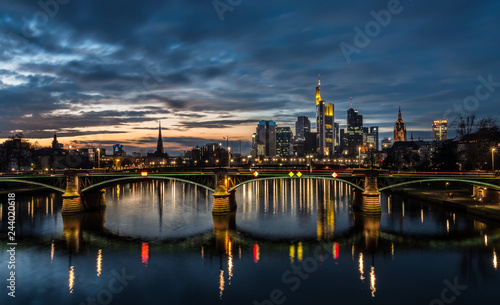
point(320, 121)
point(399, 129)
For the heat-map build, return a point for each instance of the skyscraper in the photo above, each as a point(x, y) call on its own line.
point(354, 130)
point(329, 130)
point(265, 137)
point(336, 135)
point(374, 132)
point(284, 140)
point(302, 126)
point(320, 121)
point(440, 130)
point(399, 128)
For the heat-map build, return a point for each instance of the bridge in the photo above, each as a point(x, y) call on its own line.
point(223, 182)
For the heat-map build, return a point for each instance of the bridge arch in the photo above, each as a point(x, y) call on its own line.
point(34, 183)
point(150, 177)
point(288, 177)
point(493, 186)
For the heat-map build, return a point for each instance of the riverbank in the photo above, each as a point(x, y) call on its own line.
point(459, 202)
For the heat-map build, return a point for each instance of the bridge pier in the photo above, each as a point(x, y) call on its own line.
point(72, 200)
point(224, 202)
point(371, 196)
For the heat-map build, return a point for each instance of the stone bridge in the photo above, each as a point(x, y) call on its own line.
point(223, 182)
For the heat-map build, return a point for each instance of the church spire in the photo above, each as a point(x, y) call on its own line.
point(399, 113)
point(159, 146)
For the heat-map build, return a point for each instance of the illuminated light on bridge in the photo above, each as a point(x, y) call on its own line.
point(71, 279)
point(495, 263)
point(485, 240)
point(299, 174)
point(373, 279)
point(145, 254)
point(144, 174)
point(99, 262)
point(256, 253)
point(291, 174)
point(255, 174)
point(335, 175)
point(335, 250)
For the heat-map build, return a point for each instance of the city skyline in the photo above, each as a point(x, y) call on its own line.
point(97, 80)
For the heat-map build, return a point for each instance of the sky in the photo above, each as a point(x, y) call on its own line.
point(104, 72)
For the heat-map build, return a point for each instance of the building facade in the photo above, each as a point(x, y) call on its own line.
point(329, 130)
point(284, 141)
point(265, 139)
point(399, 129)
point(302, 126)
point(439, 130)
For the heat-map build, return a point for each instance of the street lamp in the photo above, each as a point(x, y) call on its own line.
point(229, 156)
point(98, 158)
point(493, 160)
point(359, 157)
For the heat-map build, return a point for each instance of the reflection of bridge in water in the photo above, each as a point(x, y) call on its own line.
point(81, 190)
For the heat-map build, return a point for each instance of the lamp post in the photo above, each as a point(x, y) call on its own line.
point(359, 157)
point(229, 156)
point(98, 158)
point(493, 160)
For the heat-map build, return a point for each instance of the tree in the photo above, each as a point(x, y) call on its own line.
point(477, 136)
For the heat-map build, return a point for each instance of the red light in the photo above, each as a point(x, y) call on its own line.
point(335, 175)
point(336, 250)
point(144, 174)
point(145, 253)
point(255, 174)
point(255, 253)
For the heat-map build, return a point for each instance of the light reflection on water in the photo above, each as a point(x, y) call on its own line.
point(164, 234)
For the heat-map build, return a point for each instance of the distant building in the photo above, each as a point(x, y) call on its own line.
point(440, 130)
point(373, 134)
point(399, 129)
point(354, 131)
point(302, 126)
point(386, 144)
point(329, 130)
point(55, 143)
point(118, 150)
point(284, 141)
point(336, 134)
point(265, 139)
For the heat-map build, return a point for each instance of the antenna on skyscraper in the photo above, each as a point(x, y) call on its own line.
point(351, 102)
point(319, 79)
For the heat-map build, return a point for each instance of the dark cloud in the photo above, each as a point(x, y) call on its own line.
point(177, 60)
